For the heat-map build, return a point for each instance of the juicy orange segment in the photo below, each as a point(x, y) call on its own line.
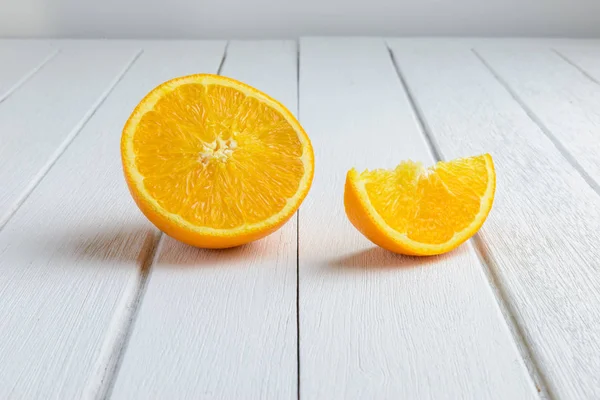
point(422, 211)
point(214, 162)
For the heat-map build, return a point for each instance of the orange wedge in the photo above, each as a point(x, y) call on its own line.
point(422, 211)
point(215, 163)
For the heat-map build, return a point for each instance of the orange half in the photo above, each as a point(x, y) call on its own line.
point(214, 162)
point(422, 211)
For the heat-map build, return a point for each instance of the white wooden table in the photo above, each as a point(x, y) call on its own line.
point(96, 303)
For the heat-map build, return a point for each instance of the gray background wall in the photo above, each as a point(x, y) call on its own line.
point(277, 18)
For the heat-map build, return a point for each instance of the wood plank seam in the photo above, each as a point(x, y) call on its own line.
point(485, 258)
point(108, 363)
point(577, 67)
point(421, 121)
point(557, 143)
point(28, 76)
point(298, 303)
point(298, 235)
point(222, 63)
point(65, 144)
point(489, 267)
point(116, 347)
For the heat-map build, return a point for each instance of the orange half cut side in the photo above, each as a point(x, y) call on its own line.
point(214, 162)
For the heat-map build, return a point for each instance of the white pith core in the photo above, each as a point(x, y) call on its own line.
point(219, 150)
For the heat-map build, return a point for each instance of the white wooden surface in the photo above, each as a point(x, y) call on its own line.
point(20, 60)
point(542, 238)
point(586, 58)
point(222, 324)
point(39, 120)
point(94, 305)
point(375, 325)
point(69, 254)
point(71, 257)
point(565, 102)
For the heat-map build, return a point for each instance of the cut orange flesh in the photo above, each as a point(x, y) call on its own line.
point(214, 162)
point(422, 211)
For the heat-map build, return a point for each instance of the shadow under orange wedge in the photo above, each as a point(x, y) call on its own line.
point(422, 211)
point(215, 163)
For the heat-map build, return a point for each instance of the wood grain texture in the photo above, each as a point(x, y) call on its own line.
point(542, 237)
point(43, 115)
point(70, 257)
point(564, 102)
point(374, 325)
point(222, 324)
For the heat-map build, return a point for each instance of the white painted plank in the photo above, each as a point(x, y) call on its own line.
point(19, 60)
point(542, 237)
point(39, 119)
point(70, 257)
point(472, 41)
point(374, 325)
point(222, 324)
point(564, 102)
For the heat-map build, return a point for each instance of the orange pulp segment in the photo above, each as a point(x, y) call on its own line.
point(422, 211)
point(214, 162)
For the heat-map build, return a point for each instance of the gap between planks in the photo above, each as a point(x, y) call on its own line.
point(28, 76)
point(577, 67)
point(557, 143)
point(298, 303)
point(485, 259)
point(298, 236)
point(114, 348)
point(67, 141)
